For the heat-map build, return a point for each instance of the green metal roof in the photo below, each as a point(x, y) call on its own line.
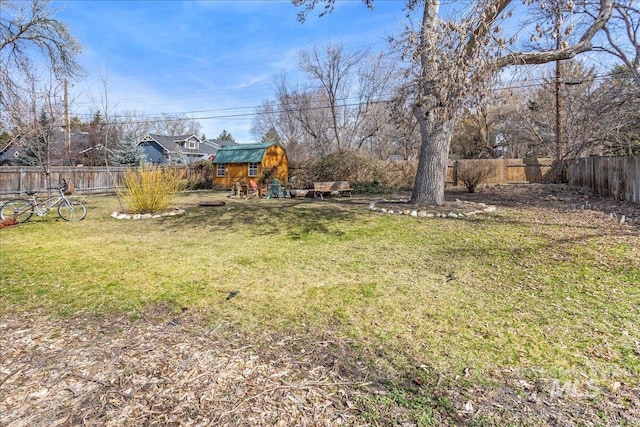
point(242, 153)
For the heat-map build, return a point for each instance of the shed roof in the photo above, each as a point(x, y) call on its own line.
point(242, 153)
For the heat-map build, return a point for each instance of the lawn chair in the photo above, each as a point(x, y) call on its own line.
point(239, 189)
point(253, 190)
point(274, 189)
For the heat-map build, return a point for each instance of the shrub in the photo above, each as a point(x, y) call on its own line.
point(366, 175)
point(200, 176)
point(301, 176)
point(150, 190)
point(345, 166)
point(473, 172)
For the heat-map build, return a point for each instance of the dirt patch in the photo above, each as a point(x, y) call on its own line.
point(556, 202)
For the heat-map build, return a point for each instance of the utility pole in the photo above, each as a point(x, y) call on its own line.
point(67, 124)
point(559, 148)
point(559, 145)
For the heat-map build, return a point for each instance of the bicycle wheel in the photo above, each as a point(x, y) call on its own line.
point(72, 210)
point(18, 209)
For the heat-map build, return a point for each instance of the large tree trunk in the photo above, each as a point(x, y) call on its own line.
point(436, 133)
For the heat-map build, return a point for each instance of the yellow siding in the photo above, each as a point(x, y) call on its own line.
point(274, 156)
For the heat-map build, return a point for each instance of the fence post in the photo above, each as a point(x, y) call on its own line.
point(21, 180)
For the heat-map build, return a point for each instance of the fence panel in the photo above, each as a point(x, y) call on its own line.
point(614, 177)
point(508, 171)
point(15, 180)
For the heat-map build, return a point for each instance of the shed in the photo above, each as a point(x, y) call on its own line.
point(244, 162)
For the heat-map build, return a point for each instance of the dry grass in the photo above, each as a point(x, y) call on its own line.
point(526, 316)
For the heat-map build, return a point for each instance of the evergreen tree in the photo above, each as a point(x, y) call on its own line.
point(37, 149)
point(271, 136)
point(128, 153)
point(226, 136)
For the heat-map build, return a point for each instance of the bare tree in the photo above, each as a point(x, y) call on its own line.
point(614, 107)
point(274, 123)
point(308, 110)
point(27, 28)
point(623, 35)
point(339, 111)
point(599, 117)
point(475, 136)
point(176, 124)
point(456, 54)
point(40, 141)
point(131, 123)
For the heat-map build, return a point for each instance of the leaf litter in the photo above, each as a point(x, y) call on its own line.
point(152, 371)
point(122, 372)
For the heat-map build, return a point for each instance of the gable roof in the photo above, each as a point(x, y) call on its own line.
point(211, 146)
point(168, 143)
point(78, 139)
point(242, 153)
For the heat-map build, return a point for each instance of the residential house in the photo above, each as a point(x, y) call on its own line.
point(14, 152)
point(244, 162)
point(162, 149)
point(8, 152)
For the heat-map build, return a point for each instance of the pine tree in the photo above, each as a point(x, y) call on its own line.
point(37, 151)
point(128, 153)
point(226, 136)
point(271, 136)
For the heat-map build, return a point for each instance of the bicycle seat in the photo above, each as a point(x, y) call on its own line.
point(31, 192)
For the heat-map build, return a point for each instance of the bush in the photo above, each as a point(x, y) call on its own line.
point(365, 174)
point(150, 190)
point(473, 172)
point(345, 166)
point(200, 176)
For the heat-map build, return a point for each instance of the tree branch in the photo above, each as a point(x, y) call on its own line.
point(583, 45)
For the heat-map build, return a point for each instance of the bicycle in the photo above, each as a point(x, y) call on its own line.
point(23, 209)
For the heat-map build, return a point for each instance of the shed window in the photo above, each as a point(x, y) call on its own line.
point(253, 169)
point(221, 169)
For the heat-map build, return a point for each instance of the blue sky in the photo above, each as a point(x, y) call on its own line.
point(206, 59)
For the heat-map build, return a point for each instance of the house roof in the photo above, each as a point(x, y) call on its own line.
point(79, 139)
point(211, 146)
point(169, 143)
point(242, 153)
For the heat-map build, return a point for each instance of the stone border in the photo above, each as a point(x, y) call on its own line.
point(422, 213)
point(120, 215)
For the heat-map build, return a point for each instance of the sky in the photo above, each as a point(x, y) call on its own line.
point(211, 60)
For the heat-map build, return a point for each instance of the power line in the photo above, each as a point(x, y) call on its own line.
point(158, 118)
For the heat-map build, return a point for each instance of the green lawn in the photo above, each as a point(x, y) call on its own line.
point(505, 292)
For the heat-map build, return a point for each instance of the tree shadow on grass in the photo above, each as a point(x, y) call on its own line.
point(267, 217)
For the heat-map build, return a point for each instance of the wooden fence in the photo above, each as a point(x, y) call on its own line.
point(614, 177)
point(15, 180)
point(505, 171)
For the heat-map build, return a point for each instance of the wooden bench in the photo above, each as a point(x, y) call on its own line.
point(341, 187)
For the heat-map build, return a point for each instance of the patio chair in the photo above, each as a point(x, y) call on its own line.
point(253, 190)
point(274, 189)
